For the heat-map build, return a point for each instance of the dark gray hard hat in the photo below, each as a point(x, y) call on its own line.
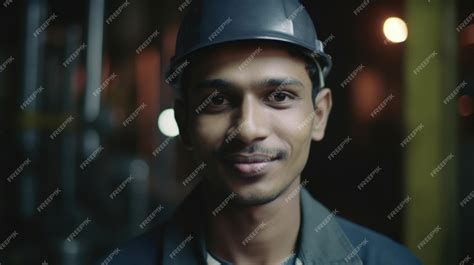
point(212, 22)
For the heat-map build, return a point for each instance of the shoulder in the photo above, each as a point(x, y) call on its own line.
point(148, 247)
point(142, 250)
point(374, 248)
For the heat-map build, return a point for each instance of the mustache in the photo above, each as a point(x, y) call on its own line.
point(253, 149)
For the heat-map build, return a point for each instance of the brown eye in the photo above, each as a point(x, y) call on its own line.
point(279, 97)
point(218, 100)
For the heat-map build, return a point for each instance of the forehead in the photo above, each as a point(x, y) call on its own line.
point(247, 62)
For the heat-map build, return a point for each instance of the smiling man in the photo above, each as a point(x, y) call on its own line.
point(251, 99)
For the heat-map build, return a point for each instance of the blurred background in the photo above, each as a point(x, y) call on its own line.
point(88, 141)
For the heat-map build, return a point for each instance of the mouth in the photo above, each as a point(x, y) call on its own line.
point(249, 166)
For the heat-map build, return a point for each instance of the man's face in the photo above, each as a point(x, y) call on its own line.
point(251, 119)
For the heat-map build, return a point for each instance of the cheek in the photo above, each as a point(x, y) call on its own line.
point(300, 147)
point(295, 127)
point(209, 131)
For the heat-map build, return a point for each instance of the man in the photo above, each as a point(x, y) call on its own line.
point(250, 77)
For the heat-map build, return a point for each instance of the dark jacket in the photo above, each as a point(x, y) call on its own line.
point(324, 239)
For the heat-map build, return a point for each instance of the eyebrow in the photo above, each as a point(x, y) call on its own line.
point(215, 83)
point(280, 82)
point(269, 82)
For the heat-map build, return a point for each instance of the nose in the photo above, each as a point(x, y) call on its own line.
point(252, 121)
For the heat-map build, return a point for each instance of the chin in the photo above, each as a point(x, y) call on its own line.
point(257, 193)
point(249, 191)
point(254, 199)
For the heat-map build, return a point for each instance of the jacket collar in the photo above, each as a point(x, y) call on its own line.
point(183, 234)
point(322, 240)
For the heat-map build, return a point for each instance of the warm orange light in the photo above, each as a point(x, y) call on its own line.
point(466, 107)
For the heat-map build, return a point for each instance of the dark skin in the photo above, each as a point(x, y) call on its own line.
point(254, 135)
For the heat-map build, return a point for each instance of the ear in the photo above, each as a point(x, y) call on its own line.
point(322, 108)
point(181, 118)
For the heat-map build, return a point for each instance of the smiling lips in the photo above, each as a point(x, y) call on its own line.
point(251, 165)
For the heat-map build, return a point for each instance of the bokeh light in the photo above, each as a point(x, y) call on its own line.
point(466, 106)
point(395, 30)
point(167, 124)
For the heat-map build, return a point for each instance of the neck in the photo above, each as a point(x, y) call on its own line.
point(262, 234)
